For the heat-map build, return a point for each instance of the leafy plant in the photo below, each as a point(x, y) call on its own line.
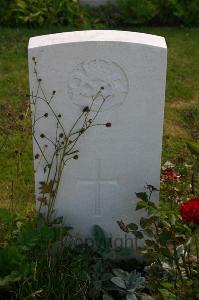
point(106, 262)
point(129, 284)
point(170, 243)
point(182, 11)
point(166, 12)
point(13, 265)
point(39, 12)
point(6, 12)
point(34, 257)
point(137, 11)
point(129, 12)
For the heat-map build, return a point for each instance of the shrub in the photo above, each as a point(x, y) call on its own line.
point(187, 12)
point(6, 11)
point(127, 12)
point(39, 12)
point(163, 12)
point(137, 11)
point(173, 12)
point(170, 232)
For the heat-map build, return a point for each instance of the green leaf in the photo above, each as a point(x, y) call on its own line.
point(193, 147)
point(123, 226)
point(143, 196)
point(13, 265)
point(101, 241)
point(41, 237)
point(153, 219)
point(138, 235)
point(141, 204)
point(189, 241)
point(149, 232)
point(46, 187)
point(173, 219)
point(150, 243)
point(119, 282)
point(164, 251)
point(145, 297)
point(132, 226)
point(180, 250)
point(131, 297)
point(151, 204)
point(144, 222)
point(167, 285)
point(167, 295)
point(14, 276)
point(164, 237)
point(121, 273)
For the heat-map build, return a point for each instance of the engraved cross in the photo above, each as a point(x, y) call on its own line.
point(100, 183)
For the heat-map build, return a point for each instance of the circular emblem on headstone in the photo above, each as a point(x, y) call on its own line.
point(88, 78)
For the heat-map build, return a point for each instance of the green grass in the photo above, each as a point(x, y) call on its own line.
point(182, 94)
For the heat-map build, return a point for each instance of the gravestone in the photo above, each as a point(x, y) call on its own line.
point(115, 162)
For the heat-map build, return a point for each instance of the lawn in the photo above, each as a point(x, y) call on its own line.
point(181, 112)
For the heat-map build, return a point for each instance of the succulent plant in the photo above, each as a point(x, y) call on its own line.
point(130, 284)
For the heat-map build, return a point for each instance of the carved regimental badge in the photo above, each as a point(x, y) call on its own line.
point(89, 77)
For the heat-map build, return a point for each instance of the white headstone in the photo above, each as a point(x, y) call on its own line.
point(115, 162)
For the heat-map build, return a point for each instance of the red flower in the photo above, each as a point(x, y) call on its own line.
point(169, 175)
point(189, 210)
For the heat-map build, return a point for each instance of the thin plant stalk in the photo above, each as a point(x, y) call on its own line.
point(64, 147)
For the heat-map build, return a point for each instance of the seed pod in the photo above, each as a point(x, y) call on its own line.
point(86, 109)
point(82, 130)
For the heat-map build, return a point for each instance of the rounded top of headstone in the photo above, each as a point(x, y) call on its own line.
point(97, 36)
